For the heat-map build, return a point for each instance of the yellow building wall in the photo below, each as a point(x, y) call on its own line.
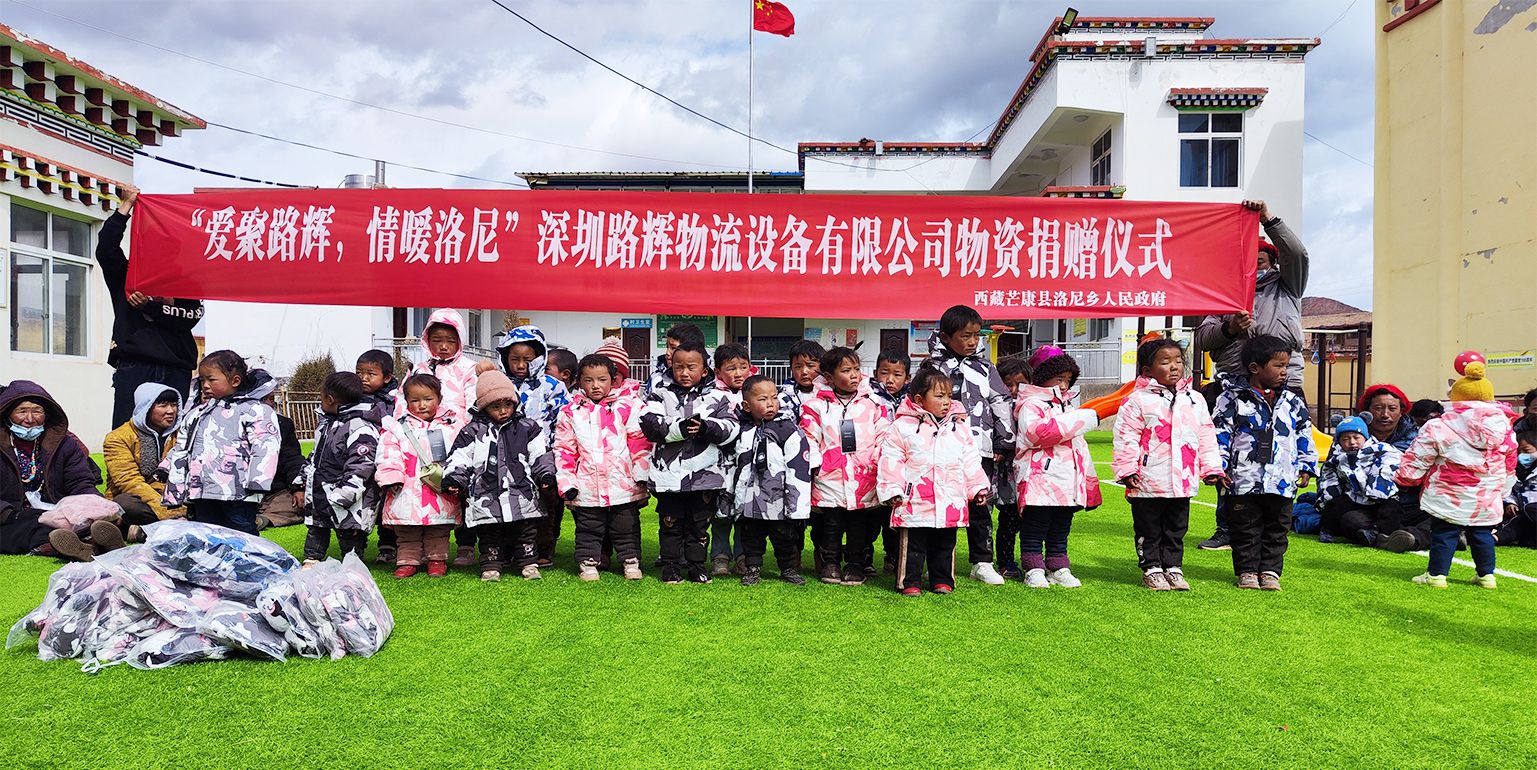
point(1455, 231)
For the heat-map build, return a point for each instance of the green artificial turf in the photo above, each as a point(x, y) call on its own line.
point(1350, 666)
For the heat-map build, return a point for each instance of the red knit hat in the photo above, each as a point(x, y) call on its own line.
point(1268, 247)
point(1377, 390)
point(613, 350)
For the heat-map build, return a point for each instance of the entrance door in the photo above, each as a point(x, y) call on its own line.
point(637, 343)
point(893, 340)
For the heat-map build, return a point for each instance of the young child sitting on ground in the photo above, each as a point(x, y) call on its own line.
point(930, 476)
point(340, 493)
point(1356, 493)
point(772, 488)
point(601, 462)
point(1165, 445)
point(1266, 440)
point(1463, 462)
point(1520, 524)
point(497, 467)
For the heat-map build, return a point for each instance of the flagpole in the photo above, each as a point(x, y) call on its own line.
point(749, 98)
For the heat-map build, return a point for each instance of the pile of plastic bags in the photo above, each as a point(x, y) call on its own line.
point(196, 592)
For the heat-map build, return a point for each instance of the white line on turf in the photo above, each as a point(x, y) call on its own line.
point(1462, 562)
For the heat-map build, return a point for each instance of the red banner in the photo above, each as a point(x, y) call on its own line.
point(792, 256)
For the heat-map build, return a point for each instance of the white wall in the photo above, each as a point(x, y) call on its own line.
point(278, 337)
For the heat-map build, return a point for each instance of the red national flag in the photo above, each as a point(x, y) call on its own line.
point(773, 18)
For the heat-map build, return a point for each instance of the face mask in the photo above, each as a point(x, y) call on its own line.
point(1525, 460)
point(26, 434)
point(1260, 276)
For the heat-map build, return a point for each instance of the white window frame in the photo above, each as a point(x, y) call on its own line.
point(1210, 135)
point(1105, 157)
point(49, 257)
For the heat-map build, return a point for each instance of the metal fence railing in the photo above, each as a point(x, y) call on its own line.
point(303, 408)
point(1098, 362)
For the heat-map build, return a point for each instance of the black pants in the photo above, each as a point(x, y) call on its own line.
point(848, 535)
point(129, 375)
point(549, 524)
point(386, 537)
point(918, 547)
point(318, 540)
point(238, 515)
point(684, 529)
point(464, 537)
point(818, 524)
point(507, 544)
point(22, 532)
point(979, 530)
point(755, 534)
point(1347, 518)
point(1008, 534)
point(1520, 529)
point(594, 526)
point(1258, 525)
point(1160, 524)
point(1222, 500)
point(890, 542)
point(1044, 528)
point(136, 512)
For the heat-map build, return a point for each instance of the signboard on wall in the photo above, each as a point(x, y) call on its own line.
point(1080, 327)
point(706, 324)
point(635, 323)
point(1520, 359)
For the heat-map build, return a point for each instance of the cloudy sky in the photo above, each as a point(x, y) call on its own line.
point(907, 69)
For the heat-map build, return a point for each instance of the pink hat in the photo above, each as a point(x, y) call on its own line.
point(614, 351)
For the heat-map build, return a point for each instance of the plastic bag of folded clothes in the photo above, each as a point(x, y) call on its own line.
point(197, 592)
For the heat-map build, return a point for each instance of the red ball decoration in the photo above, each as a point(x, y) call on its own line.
point(1467, 357)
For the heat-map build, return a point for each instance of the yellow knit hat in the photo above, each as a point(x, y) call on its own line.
point(1473, 386)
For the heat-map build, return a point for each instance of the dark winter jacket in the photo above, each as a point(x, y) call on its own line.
point(158, 333)
point(1243, 419)
point(383, 400)
point(661, 375)
point(290, 456)
point(773, 471)
point(1277, 309)
point(339, 487)
point(63, 461)
point(682, 463)
point(500, 469)
point(988, 403)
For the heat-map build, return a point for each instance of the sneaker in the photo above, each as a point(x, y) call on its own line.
point(854, 576)
point(1063, 577)
point(106, 536)
point(1326, 537)
point(792, 576)
point(386, 555)
point(1434, 581)
point(437, 569)
point(1036, 578)
point(68, 545)
point(1401, 541)
point(464, 557)
point(720, 566)
point(1176, 580)
point(531, 572)
point(739, 565)
point(1249, 580)
point(1156, 580)
point(1484, 581)
point(1367, 537)
point(1011, 571)
point(405, 571)
point(588, 573)
point(751, 576)
point(491, 575)
point(543, 563)
point(307, 563)
point(912, 591)
point(672, 576)
point(262, 523)
point(632, 569)
point(135, 534)
point(698, 575)
point(1219, 541)
point(943, 588)
point(870, 571)
point(984, 572)
point(830, 575)
point(1269, 581)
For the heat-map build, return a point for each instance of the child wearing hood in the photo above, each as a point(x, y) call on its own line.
point(959, 351)
point(772, 485)
point(443, 344)
point(690, 430)
point(340, 493)
point(523, 353)
point(844, 426)
point(225, 457)
point(1356, 494)
point(498, 465)
point(930, 475)
point(132, 453)
point(732, 368)
point(601, 459)
point(1055, 473)
point(412, 449)
point(1165, 445)
point(1463, 463)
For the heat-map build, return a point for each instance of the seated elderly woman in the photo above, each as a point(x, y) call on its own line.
point(41, 463)
point(1385, 410)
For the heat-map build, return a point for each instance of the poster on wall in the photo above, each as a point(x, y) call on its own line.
point(706, 324)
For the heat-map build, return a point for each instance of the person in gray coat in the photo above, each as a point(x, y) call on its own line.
point(1279, 284)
